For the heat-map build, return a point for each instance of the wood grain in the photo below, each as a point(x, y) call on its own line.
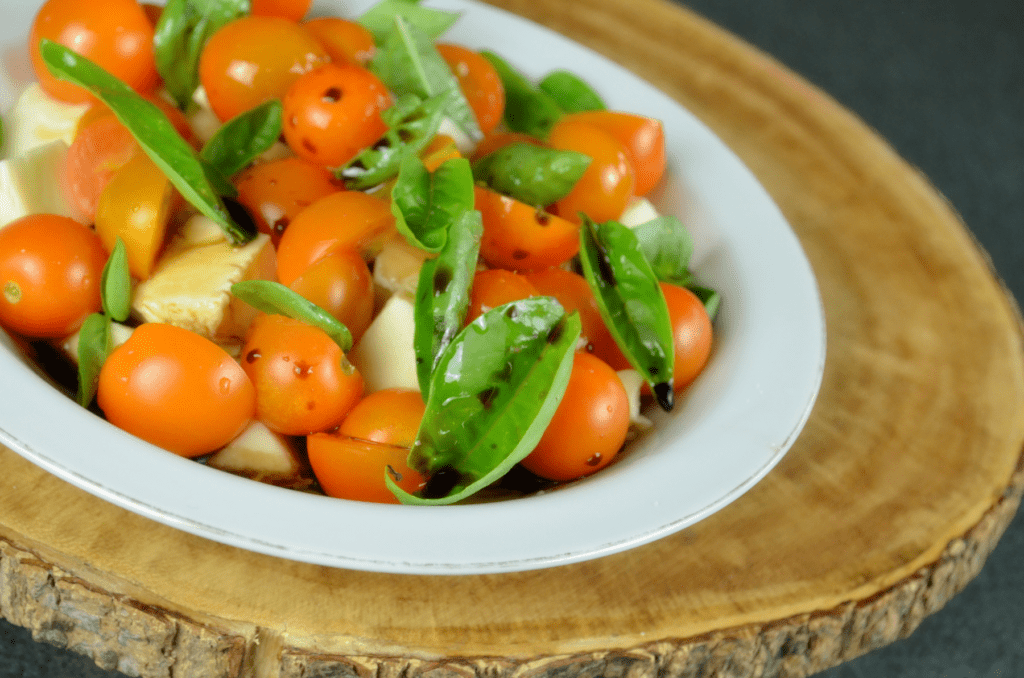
point(904, 478)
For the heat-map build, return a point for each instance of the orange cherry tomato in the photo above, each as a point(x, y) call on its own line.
point(497, 140)
point(440, 150)
point(341, 284)
point(642, 137)
point(494, 287)
point(342, 220)
point(589, 427)
point(98, 150)
point(345, 41)
point(293, 10)
point(276, 191)
point(691, 336)
point(175, 389)
point(479, 82)
point(333, 112)
point(116, 34)
point(351, 468)
point(574, 294)
point(605, 189)
point(255, 59)
point(391, 416)
point(304, 383)
point(519, 237)
point(50, 269)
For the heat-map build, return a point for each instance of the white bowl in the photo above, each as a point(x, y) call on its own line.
point(726, 432)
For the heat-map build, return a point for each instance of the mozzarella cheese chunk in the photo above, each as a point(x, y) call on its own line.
point(30, 184)
point(462, 141)
point(633, 381)
point(639, 211)
point(258, 453)
point(191, 286)
point(118, 335)
point(397, 267)
point(385, 356)
point(38, 119)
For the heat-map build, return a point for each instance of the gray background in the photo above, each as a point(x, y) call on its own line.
point(943, 82)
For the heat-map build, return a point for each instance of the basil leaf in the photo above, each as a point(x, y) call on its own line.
point(442, 294)
point(408, 63)
point(412, 123)
point(631, 302)
point(273, 297)
point(536, 175)
point(238, 141)
point(709, 297)
point(494, 391)
point(151, 128)
point(527, 108)
point(668, 246)
point(179, 38)
point(380, 19)
point(571, 92)
point(116, 284)
point(425, 203)
point(93, 349)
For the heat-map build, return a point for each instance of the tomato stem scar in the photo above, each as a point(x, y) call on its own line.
point(12, 292)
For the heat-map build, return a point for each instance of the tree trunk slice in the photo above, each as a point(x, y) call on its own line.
point(907, 473)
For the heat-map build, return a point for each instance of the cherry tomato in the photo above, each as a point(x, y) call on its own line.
point(116, 34)
point(174, 115)
point(498, 139)
point(255, 59)
point(351, 468)
point(175, 389)
point(574, 294)
point(345, 41)
point(441, 149)
point(341, 284)
point(293, 10)
point(333, 112)
point(343, 220)
point(479, 82)
point(494, 287)
point(520, 237)
point(50, 269)
point(643, 139)
point(691, 336)
point(276, 191)
point(589, 427)
point(605, 189)
point(304, 383)
point(391, 416)
point(96, 153)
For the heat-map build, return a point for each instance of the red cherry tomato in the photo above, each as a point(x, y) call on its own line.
point(116, 34)
point(479, 82)
point(304, 383)
point(519, 237)
point(98, 150)
point(175, 389)
point(50, 269)
point(276, 191)
point(293, 10)
point(589, 427)
point(255, 59)
point(494, 287)
point(605, 189)
point(333, 112)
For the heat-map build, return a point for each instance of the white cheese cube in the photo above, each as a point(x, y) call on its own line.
point(639, 211)
point(118, 335)
point(384, 355)
point(258, 453)
point(632, 381)
point(38, 119)
point(31, 184)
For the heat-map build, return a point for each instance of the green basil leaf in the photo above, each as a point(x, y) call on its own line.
point(571, 92)
point(380, 19)
point(668, 246)
point(493, 393)
point(179, 38)
point(442, 294)
point(426, 203)
point(273, 297)
point(151, 128)
point(239, 140)
point(527, 108)
point(709, 297)
point(536, 175)
point(412, 123)
point(116, 284)
point(408, 63)
point(631, 302)
point(93, 349)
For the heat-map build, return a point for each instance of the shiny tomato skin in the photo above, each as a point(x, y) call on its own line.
point(116, 34)
point(642, 138)
point(519, 237)
point(479, 82)
point(494, 287)
point(341, 284)
point(574, 294)
point(50, 270)
point(292, 10)
point(607, 186)
point(175, 389)
point(344, 40)
point(391, 416)
point(588, 428)
point(354, 469)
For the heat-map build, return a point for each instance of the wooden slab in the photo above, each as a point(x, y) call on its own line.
point(906, 475)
